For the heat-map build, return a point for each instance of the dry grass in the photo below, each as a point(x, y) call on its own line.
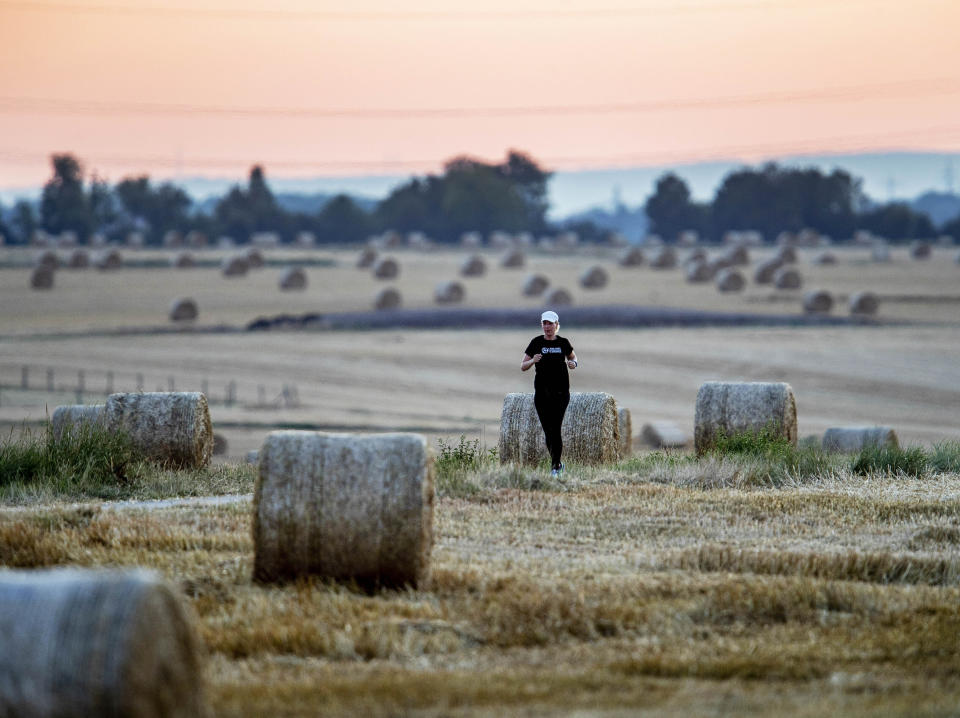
point(604, 594)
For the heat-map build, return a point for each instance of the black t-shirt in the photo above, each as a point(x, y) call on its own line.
point(552, 371)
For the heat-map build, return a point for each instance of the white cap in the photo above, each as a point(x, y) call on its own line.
point(549, 317)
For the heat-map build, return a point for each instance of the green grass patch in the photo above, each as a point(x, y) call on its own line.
point(890, 460)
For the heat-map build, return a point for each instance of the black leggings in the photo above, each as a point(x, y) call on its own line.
point(551, 406)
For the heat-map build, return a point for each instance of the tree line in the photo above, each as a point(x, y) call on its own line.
point(469, 195)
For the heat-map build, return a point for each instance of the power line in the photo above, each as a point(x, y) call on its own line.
point(430, 15)
point(879, 91)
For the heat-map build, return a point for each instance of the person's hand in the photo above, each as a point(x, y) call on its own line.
point(537, 358)
point(571, 364)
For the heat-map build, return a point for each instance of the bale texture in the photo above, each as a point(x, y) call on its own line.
point(633, 257)
point(254, 257)
point(787, 278)
point(108, 260)
point(590, 431)
point(234, 266)
point(730, 280)
point(625, 427)
point(171, 428)
point(96, 643)
point(594, 277)
point(513, 259)
point(698, 271)
point(183, 309)
point(344, 506)
point(737, 407)
point(473, 266)
point(921, 249)
point(786, 254)
point(183, 260)
point(79, 259)
point(368, 255)
point(864, 303)
point(817, 301)
point(534, 285)
point(558, 297)
point(663, 258)
point(41, 277)
point(386, 268)
point(849, 439)
point(74, 416)
point(737, 255)
point(451, 292)
point(387, 298)
point(293, 279)
point(824, 258)
point(47, 258)
point(664, 435)
point(764, 272)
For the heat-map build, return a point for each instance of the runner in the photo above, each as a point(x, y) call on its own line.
point(552, 355)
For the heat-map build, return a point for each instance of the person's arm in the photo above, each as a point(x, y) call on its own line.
point(572, 362)
point(528, 361)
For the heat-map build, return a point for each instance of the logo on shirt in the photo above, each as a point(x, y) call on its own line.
point(551, 350)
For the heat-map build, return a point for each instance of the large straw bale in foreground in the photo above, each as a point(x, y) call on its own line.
point(625, 427)
point(96, 643)
point(75, 416)
point(737, 407)
point(590, 431)
point(344, 506)
point(855, 438)
point(172, 428)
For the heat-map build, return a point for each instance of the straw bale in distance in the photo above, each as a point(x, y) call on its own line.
point(534, 285)
point(196, 239)
point(386, 268)
point(451, 292)
point(633, 257)
point(254, 257)
point(698, 271)
point(696, 253)
point(79, 258)
point(234, 266)
point(921, 249)
point(471, 240)
point(786, 254)
point(513, 259)
point(824, 258)
point(764, 272)
point(172, 239)
point(558, 297)
point(368, 255)
point(219, 445)
point(590, 431)
point(97, 643)
point(473, 266)
point(387, 298)
point(183, 309)
point(737, 407)
point(625, 428)
point(730, 280)
point(664, 435)
point(817, 301)
point(594, 277)
point(663, 258)
point(864, 303)
point(737, 256)
point(293, 279)
point(66, 418)
point(787, 278)
point(344, 506)
point(41, 277)
point(855, 438)
point(172, 428)
point(183, 260)
point(108, 260)
point(47, 258)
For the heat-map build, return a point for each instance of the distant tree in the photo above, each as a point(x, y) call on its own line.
point(4, 229)
point(412, 206)
point(952, 228)
point(24, 220)
point(897, 220)
point(155, 209)
point(254, 209)
point(64, 204)
point(341, 220)
point(670, 210)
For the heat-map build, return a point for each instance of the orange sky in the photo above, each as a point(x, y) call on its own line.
point(141, 87)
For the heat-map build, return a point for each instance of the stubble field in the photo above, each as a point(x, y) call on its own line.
point(619, 591)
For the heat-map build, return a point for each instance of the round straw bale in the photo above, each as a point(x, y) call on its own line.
point(171, 428)
point(473, 266)
point(293, 279)
point(108, 260)
point(664, 435)
point(737, 255)
point(590, 431)
point(786, 254)
point(386, 268)
point(254, 257)
point(513, 259)
point(698, 270)
point(182, 260)
point(451, 292)
point(47, 258)
point(219, 445)
point(387, 298)
point(625, 428)
point(864, 303)
point(534, 285)
point(501, 240)
point(817, 301)
point(738, 407)
point(41, 277)
point(418, 240)
point(391, 239)
point(824, 258)
point(785, 239)
point(368, 255)
point(183, 309)
point(663, 258)
point(764, 272)
point(79, 258)
point(594, 277)
point(730, 280)
point(235, 265)
point(880, 250)
point(558, 298)
point(850, 439)
point(787, 278)
point(344, 506)
point(921, 249)
point(697, 253)
point(633, 257)
point(80, 643)
point(65, 418)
